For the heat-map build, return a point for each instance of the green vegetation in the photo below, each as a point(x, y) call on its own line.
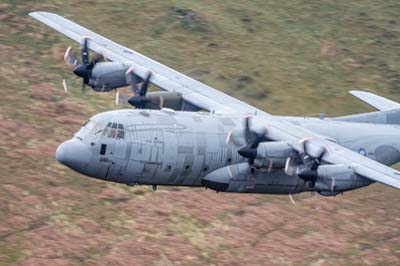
point(286, 57)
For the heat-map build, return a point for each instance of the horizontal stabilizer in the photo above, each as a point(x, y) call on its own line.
point(375, 101)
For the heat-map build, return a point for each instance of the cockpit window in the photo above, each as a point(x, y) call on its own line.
point(87, 128)
point(89, 125)
point(114, 131)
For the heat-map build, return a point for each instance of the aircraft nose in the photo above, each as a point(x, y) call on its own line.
point(75, 154)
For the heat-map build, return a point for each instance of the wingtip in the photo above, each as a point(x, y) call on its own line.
point(357, 93)
point(35, 14)
point(365, 91)
point(39, 13)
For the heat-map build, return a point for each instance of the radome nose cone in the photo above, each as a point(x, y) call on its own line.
point(75, 154)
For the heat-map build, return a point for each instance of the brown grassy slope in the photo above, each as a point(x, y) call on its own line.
point(267, 52)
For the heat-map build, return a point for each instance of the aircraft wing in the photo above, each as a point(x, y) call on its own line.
point(375, 101)
point(210, 99)
point(165, 78)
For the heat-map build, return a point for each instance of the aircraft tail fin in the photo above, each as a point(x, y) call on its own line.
point(378, 102)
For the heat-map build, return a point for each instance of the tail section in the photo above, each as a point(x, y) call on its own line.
point(389, 111)
point(378, 102)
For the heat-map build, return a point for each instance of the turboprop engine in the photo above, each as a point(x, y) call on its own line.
point(142, 99)
point(272, 154)
point(99, 75)
point(330, 178)
point(260, 151)
point(106, 76)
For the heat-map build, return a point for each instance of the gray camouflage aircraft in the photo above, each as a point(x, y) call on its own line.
point(190, 134)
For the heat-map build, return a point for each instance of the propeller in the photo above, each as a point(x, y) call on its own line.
point(85, 67)
point(252, 140)
point(139, 98)
point(308, 170)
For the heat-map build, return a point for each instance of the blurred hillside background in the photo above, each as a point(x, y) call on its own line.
point(296, 57)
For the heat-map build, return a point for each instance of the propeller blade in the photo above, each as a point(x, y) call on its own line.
point(69, 57)
point(229, 170)
point(144, 88)
point(258, 137)
point(332, 184)
point(133, 80)
point(289, 169)
point(85, 52)
point(252, 140)
point(98, 58)
point(161, 102)
point(302, 145)
point(122, 99)
point(292, 199)
point(116, 97)
point(270, 165)
point(247, 130)
point(103, 56)
point(228, 137)
point(65, 86)
point(251, 161)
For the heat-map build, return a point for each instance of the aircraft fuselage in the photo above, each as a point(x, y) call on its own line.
point(181, 148)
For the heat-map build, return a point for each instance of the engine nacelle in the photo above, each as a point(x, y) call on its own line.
point(107, 76)
point(272, 154)
point(336, 178)
point(164, 99)
point(339, 171)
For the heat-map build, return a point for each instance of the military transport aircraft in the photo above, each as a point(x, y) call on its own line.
point(210, 139)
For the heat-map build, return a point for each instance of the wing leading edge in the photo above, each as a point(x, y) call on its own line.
point(210, 99)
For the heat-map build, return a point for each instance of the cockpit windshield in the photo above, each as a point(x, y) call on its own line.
point(86, 129)
point(89, 125)
point(114, 131)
